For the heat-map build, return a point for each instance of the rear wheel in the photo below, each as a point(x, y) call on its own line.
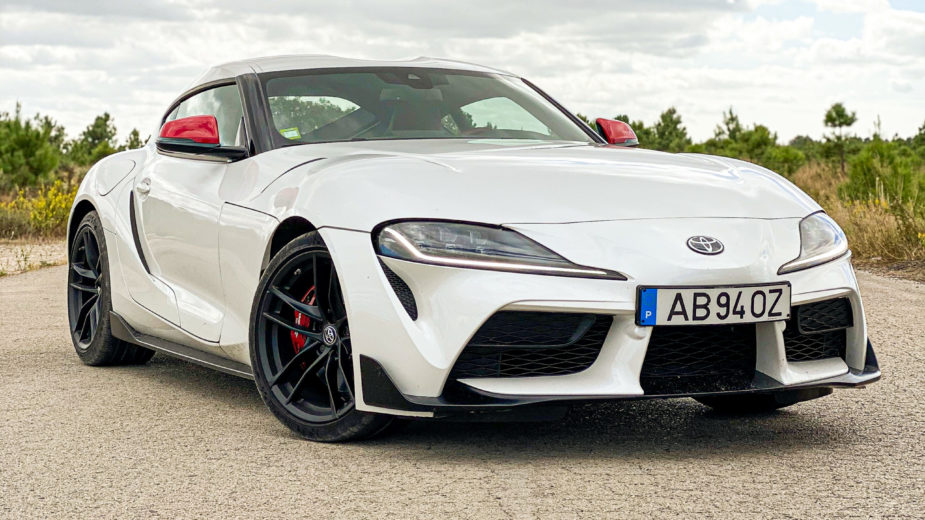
point(761, 403)
point(89, 300)
point(300, 346)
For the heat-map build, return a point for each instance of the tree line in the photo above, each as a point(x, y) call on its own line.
point(36, 151)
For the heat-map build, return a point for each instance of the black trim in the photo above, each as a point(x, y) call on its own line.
point(184, 149)
point(379, 390)
point(458, 397)
point(122, 330)
point(581, 124)
point(135, 237)
point(255, 113)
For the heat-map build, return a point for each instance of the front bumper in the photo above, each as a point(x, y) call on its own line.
point(414, 357)
point(381, 392)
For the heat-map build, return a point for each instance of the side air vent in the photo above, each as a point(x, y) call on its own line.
point(134, 223)
point(402, 291)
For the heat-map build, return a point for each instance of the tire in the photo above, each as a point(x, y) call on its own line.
point(302, 361)
point(761, 403)
point(89, 301)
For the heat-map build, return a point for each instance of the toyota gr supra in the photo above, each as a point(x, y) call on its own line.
point(374, 241)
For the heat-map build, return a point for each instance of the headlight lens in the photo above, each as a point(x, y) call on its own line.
point(821, 241)
point(478, 247)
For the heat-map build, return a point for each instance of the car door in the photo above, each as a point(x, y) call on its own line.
point(178, 208)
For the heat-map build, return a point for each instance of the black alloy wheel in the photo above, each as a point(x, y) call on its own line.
point(300, 346)
point(89, 300)
point(84, 279)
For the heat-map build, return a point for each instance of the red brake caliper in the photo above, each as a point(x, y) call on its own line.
point(298, 340)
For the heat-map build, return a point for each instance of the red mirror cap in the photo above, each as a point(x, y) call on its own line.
point(617, 132)
point(198, 129)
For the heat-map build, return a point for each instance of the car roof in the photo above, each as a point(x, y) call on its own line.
point(322, 61)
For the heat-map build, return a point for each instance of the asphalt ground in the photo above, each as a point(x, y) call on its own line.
point(173, 440)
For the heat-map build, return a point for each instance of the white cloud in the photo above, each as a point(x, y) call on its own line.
point(74, 60)
point(852, 6)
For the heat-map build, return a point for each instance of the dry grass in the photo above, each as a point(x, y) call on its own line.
point(877, 233)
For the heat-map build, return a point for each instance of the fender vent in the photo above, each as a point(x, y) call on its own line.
point(402, 291)
point(135, 238)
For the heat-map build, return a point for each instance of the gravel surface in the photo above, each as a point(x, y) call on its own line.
point(17, 256)
point(173, 440)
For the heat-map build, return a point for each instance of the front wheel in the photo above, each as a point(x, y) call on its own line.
point(761, 403)
point(300, 346)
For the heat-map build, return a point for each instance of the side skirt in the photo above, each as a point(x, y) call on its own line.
point(122, 330)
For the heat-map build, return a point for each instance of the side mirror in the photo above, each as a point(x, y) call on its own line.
point(197, 136)
point(617, 132)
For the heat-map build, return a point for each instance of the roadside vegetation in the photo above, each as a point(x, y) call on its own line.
point(873, 186)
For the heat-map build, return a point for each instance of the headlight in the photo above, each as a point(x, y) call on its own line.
point(821, 241)
point(478, 247)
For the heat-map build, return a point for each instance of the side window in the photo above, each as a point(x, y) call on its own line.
point(222, 102)
point(501, 113)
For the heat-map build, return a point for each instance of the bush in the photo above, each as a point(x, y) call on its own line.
point(43, 214)
point(890, 172)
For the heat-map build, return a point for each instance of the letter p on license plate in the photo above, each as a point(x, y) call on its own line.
point(712, 305)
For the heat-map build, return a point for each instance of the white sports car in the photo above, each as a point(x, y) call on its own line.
point(371, 241)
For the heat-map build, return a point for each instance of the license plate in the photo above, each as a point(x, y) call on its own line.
point(712, 305)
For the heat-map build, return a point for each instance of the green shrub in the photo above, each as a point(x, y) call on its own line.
point(889, 171)
point(27, 151)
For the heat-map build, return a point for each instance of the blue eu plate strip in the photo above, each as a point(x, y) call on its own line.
point(648, 301)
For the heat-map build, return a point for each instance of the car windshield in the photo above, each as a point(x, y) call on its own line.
point(405, 103)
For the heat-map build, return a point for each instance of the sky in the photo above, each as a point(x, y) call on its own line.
point(780, 63)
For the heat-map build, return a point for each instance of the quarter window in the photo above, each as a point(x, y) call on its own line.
point(222, 102)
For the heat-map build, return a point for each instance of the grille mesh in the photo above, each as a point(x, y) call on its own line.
point(522, 344)
point(699, 358)
point(402, 291)
point(817, 330)
point(809, 347)
point(824, 315)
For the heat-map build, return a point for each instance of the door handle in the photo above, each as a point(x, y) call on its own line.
point(144, 187)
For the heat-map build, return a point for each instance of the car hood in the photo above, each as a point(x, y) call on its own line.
point(361, 184)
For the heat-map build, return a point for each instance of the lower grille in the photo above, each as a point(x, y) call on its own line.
point(523, 344)
point(699, 358)
point(810, 347)
point(817, 330)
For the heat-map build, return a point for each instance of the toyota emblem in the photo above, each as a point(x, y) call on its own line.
point(705, 245)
